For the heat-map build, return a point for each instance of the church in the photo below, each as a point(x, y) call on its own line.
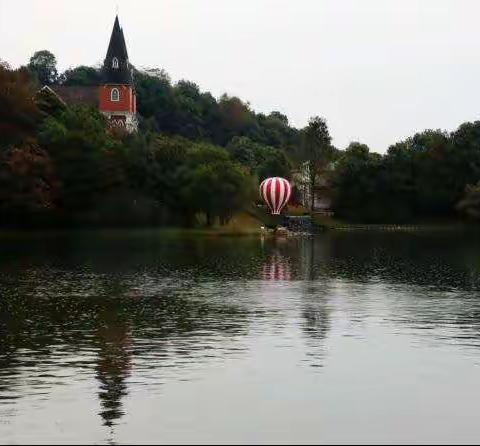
point(115, 97)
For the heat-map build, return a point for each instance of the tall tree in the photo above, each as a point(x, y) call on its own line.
point(19, 114)
point(316, 152)
point(214, 185)
point(43, 65)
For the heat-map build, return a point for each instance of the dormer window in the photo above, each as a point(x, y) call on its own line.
point(115, 63)
point(115, 95)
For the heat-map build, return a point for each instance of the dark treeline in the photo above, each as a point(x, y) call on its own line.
point(198, 160)
point(432, 175)
point(194, 160)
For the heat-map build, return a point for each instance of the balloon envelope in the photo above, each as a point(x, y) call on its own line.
point(275, 192)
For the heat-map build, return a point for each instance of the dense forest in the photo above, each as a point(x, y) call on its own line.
point(432, 175)
point(194, 160)
point(197, 159)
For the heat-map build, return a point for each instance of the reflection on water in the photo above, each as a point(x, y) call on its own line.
point(276, 267)
point(114, 363)
point(128, 326)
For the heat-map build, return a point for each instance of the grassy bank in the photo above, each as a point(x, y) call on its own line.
point(240, 225)
point(248, 223)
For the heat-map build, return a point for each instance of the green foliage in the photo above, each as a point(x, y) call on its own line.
point(81, 149)
point(355, 181)
point(173, 177)
point(155, 99)
point(199, 158)
point(421, 177)
point(183, 109)
point(261, 160)
point(81, 76)
point(316, 145)
point(43, 66)
point(28, 185)
point(187, 178)
point(316, 152)
point(214, 185)
point(19, 114)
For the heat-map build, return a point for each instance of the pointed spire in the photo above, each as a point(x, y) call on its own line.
point(116, 66)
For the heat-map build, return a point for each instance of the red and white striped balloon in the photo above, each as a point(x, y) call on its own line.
point(275, 192)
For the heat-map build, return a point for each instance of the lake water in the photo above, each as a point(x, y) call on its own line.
point(141, 337)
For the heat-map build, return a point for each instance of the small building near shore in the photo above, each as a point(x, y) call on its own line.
point(322, 192)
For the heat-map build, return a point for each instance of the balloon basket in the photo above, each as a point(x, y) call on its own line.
point(273, 221)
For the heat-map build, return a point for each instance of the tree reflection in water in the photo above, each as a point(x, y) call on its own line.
point(150, 306)
point(114, 363)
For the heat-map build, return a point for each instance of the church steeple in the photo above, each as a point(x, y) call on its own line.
point(116, 67)
point(118, 100)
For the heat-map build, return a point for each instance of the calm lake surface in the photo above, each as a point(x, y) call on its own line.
point(121, 337)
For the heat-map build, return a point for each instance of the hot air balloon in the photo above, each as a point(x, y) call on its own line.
point(275, 192)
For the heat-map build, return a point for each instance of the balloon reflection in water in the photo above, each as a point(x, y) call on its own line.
point(277, 268)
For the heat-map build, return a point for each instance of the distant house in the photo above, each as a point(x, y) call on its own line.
point(322, 192)
point(115, 97)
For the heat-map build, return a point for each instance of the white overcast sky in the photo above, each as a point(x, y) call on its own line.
point(377, 70)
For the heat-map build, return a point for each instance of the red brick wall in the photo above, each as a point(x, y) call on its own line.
point(126, 102)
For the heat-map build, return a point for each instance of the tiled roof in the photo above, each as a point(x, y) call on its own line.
point(77, 95)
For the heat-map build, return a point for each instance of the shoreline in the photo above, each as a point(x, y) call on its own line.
point(116, 232)
point(327, 223)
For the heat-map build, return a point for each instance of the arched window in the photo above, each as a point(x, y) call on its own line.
point(115, 62)
point(115, 95)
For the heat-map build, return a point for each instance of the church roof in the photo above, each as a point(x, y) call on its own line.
point(76, 95)
point(116, 67)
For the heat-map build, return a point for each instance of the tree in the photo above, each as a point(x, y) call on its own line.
point(188, 113)
point(28, 184)
point(183, 109)
point(19, 114)
point(273, 163)
point(215, 185)
point(81, 76)
point(261, 160)
point(356, 182)
point(155, 99)
point(419, 177)
point(235, 117)
point(83, 154)
point(316, 152)
point(244, 151)
point(464, 157)
point(43, 65)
